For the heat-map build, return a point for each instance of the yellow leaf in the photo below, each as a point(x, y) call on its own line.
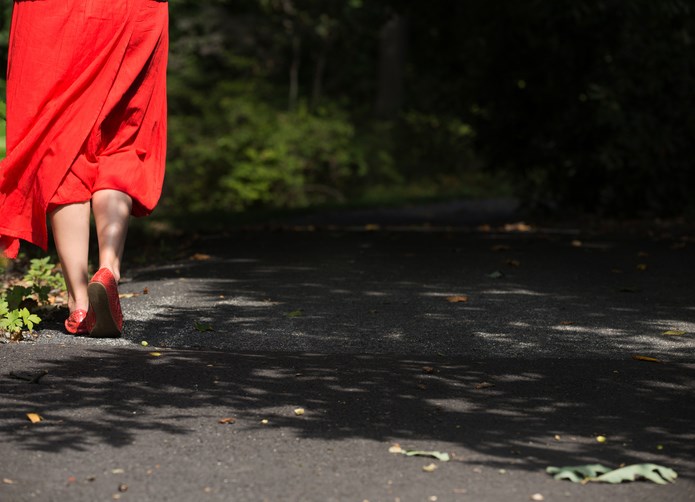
point(601, 439)
point(299, 411)
point(457, 299)
point(34, 418)
point(674, 332)
point(144, 343)
point(264, 421)
point(429, 468)
point(645, 358)
point(396, 448)
point(155, 354)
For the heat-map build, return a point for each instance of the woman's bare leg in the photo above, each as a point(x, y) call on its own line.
point(111, 214)
point(70, 224)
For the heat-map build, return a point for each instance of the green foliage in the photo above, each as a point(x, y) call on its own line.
point(40, 280)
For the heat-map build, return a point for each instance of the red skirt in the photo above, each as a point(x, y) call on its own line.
point(86, 109)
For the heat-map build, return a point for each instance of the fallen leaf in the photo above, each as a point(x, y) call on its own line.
point(537, 496)
point(146, 291)
point(483, 385)
point(429, 467)
point(295, 313)
point(428, 369)
point(443, 457)
point(577, 473)
point(7, 481)
point(602, 474)
point(34, 418)
point(144, 343)
point(156, 354)
point(228, 420)
point(557, 437)
point(674, 332)
point(656, 473)
point(128, 295)
point(396, 448)
point(264, 421)
point(118, 471)
point(457, 299)
point(200, 257)
point(601, 439)
point(646, 358)
point(299, 411)
point(203, 326)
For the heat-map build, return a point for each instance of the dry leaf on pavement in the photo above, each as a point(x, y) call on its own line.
point(457, 299)
point(34, 418)
point(645, 358)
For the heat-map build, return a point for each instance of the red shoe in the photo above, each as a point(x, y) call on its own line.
point(104, 318)
point(75, 324)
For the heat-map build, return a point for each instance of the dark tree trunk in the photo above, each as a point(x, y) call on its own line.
point(392, 54)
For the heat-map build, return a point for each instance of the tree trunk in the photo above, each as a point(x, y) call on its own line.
point(392, 54)
point(294, 72)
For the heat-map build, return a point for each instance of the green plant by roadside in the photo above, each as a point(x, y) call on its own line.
point(18, 300)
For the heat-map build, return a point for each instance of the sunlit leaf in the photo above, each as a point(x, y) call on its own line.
point(601, 474)
point(34, 418)
point(578, 473)
point(396, 448)
point(295, 313)
point(656, 473)
point(299, 411)
point(156, 354)
point(444, 457)
point(601, 439)
point(674, 332)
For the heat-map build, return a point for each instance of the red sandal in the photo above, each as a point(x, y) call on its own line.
point(104, 318)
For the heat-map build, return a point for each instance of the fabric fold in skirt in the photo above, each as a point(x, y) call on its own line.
point(86, 109)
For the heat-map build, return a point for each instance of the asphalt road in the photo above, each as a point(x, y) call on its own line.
point(354, 325)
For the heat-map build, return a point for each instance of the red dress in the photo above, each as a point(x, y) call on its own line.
point(86, 109)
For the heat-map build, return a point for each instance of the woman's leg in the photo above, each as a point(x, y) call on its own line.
point(111, 214)
point(70, 224)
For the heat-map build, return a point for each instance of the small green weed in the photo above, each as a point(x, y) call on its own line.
point(38, 282)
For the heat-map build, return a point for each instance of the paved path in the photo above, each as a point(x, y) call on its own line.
point(355, 327)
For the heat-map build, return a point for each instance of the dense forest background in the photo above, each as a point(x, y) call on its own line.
point(574, 105)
